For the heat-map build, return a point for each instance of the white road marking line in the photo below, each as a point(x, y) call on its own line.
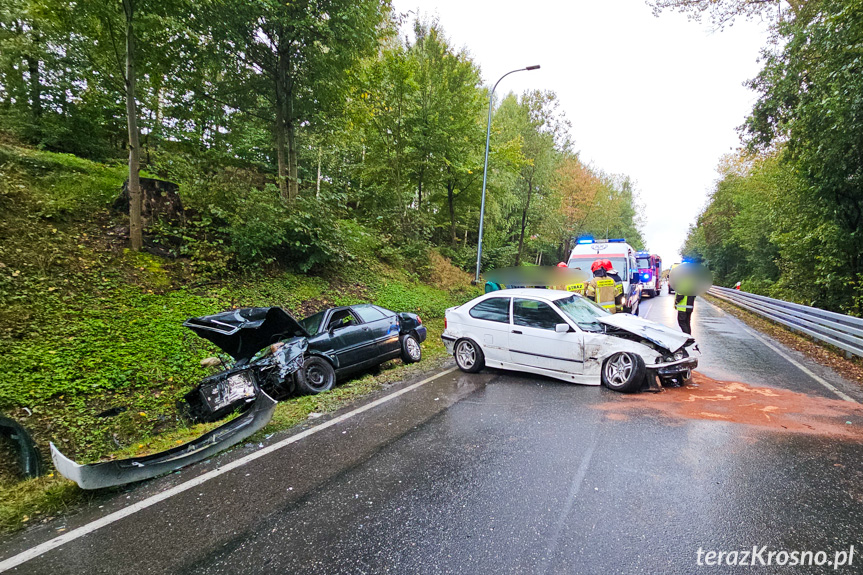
point(574, 488)
point(43, 548)
point(787, 357)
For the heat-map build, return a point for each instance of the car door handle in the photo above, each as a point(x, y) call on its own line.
point(516, 331)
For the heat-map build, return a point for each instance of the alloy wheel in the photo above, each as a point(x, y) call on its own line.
point(618, 369)
point(466, 354)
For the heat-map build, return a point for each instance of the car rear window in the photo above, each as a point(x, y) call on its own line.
point(532, 313)
point(368, 313)
point(386, 312)
point(492, 309)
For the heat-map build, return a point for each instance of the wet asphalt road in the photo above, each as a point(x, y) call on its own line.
point(504, 473)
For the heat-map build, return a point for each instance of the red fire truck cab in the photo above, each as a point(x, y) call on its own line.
point(649, 273)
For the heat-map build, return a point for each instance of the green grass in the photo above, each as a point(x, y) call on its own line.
point(23, 503)
point(87, 326)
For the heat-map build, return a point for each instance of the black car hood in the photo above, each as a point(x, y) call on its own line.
point(243, 332)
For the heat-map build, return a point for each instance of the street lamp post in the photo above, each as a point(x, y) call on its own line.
point(485, 166)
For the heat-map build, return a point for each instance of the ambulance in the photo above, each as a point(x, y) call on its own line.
point(622, 257)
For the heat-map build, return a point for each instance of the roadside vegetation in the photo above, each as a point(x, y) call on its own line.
point(786, 216)
point(320, 158)
point(95, 355)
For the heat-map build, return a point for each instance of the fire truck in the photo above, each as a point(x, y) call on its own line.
point(649, 273)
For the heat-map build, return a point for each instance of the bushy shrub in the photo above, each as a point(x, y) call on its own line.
point(444, 275)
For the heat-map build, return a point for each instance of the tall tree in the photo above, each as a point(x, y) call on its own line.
point(543, 132)
point(295, 56)
point(811, 102)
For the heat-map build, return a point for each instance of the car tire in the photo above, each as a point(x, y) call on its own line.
point(623, 372)
point(468, 356)
point(316, 376)
point(411, 350)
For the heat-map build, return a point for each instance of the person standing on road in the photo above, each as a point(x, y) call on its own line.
point(685, 289)
point(684, 305)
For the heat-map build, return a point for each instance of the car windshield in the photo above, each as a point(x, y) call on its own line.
point(312, 323)
point(643, 263)
point(583, 262)
point(582, 311)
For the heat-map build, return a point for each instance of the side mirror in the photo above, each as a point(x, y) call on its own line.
point(561, 328)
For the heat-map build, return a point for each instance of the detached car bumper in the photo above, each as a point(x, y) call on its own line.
point(422, 332)
point(120, 472)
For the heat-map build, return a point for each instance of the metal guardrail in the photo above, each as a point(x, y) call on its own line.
point(842, 331)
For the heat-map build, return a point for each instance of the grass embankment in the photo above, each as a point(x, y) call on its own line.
point(93, 351)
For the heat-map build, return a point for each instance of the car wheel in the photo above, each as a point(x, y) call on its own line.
point(623, 372)
point(468, 356)
point(411, 350)
point(316, 376)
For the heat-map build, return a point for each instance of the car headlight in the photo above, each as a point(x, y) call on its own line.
point(679, 355)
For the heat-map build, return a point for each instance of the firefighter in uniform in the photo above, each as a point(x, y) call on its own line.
point(601, 288)
point(618, 285)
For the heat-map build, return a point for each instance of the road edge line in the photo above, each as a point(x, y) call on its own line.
point(88, 528)
point(786, 357)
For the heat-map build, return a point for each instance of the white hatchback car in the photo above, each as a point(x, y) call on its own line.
point(566, 336)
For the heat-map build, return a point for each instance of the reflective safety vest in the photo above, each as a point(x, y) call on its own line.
point(684, 302)
point(618, 296)
point(605, 293)
point(577, 288)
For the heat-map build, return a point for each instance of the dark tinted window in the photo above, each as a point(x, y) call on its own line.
point(492, 309)
point(532, 313)
point(368, 313)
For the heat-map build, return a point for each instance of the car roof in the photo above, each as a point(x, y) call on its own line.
point(549, 294)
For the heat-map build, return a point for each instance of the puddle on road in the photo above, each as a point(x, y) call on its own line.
point(778, 409)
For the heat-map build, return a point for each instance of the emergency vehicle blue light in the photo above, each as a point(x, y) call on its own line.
point(645, 277)
point(585, 241)
point(617, 241)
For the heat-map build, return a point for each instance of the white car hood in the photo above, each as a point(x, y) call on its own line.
point(670, 339)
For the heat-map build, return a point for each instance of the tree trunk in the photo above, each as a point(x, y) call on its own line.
point(523, 223)
point(451, 199)
point(279, 126)
point(293, 182)
point(279, 129)
point(318, 181)
point(35, 89)
point(420, 188)
point(288, 92)
point(136, 231)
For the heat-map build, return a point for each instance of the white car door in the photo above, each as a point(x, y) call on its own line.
point(489, 326)
point(534, 342)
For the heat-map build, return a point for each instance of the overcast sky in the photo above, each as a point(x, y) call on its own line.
point(658, 99)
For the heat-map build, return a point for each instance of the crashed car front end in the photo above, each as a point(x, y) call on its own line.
point(228, 390)
point(268, 347)
point(675, 368)
point(668, 354)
